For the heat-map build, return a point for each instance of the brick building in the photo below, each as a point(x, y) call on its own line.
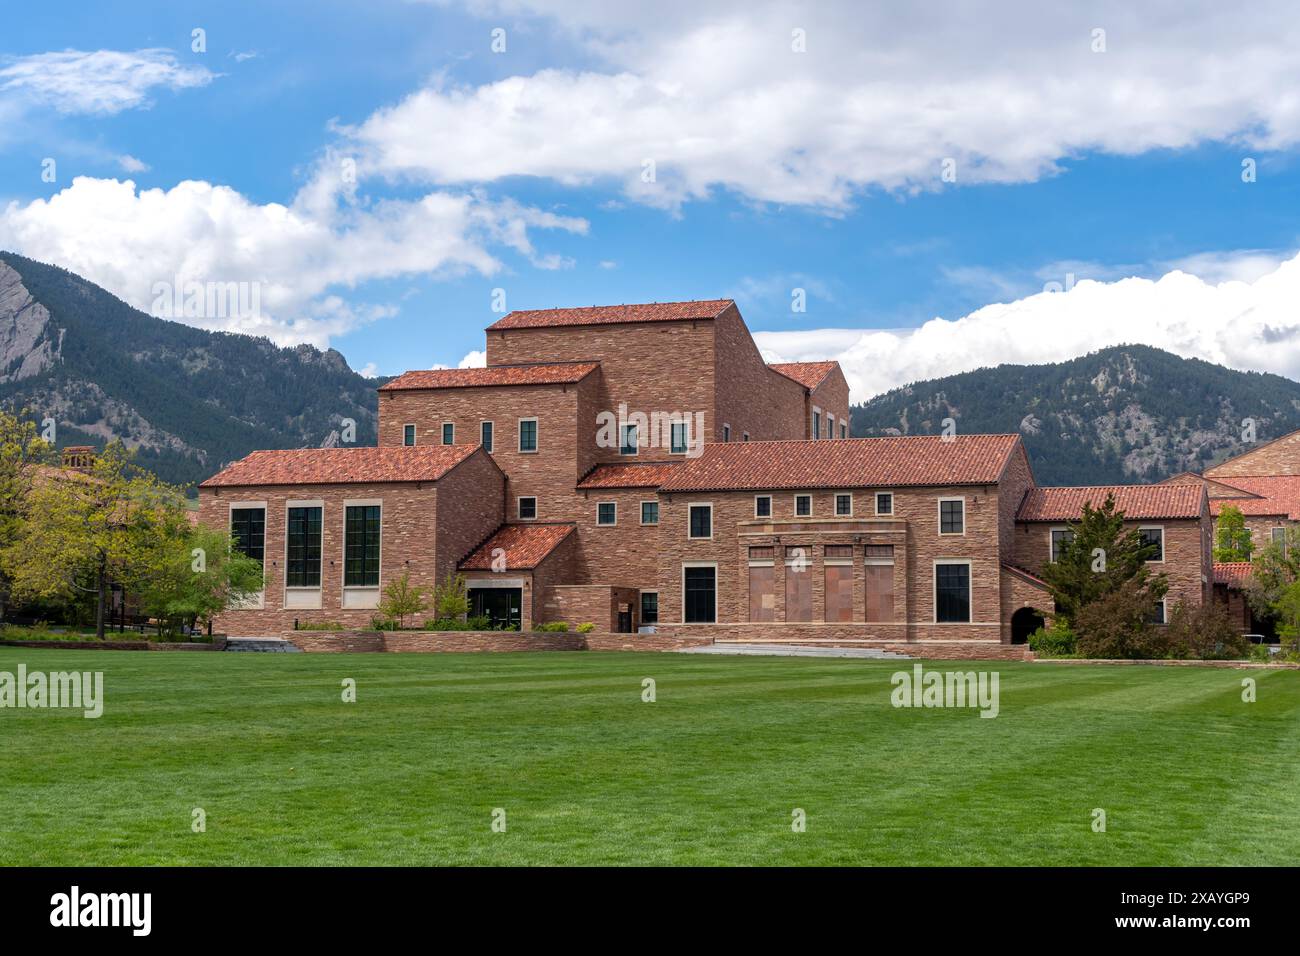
point(641, 466)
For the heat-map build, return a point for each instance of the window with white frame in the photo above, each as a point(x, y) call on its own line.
point(884, 503)
point(607, 513)
point(843, 505)
point(1153, 539)
point(678, 438)
point(802, 506)
point(627, 444)
point(528, 434)
point(448, 433)
point(650, 512)
point(762, 506)
point(952, 516)
point(408, 434)
point(485, 436)
point(527, 508)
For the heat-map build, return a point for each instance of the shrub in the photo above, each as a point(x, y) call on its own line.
point(401, 600)
point(383, 624)
point(1119, 626)
point(552, 626)
point(1204, 632)
point(586, 628)
point(451, 597)
point(1055, 641)
point(480, 623)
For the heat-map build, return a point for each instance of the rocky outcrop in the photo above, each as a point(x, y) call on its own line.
point(29, 344)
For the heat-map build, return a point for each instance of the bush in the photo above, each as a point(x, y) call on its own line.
point(401, 601)
point(1205, 632)
point(319, 626)
point(451, 597)
point(1118, 626)
point(383, 624)
point(480, 623)
point(1055, 641)
point(552, 626)
point(586, 628)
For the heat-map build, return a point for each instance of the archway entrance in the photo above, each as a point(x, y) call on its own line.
point(1023, 623)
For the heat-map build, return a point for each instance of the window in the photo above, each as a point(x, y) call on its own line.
point(838, 583)
point(649, 512)
point(408, 434)
point(701, 521)
point(1157, 613)
point(528, 434)
point(878, 572)
point(744, 436)
point(628, 442)
point(527, 508)
point(830, 425)
point(803, 505)
point(303, 557)
point(844, 429)
point(1279, 538)
point(843, 505)
point(361, 546)
point(798, 584)
point(952, 593)
point(762, 589)
point(607, 513)
point(485, 436)
point(649, 607)
point(448, 433)
point(952, 516)
point(699, 587)
point(678, 438)
point(1153, 538)
point(248, 531)
point(763, 506)
point(817, 423)
point(726, 433)
point(1061, 537)
point(884, 503)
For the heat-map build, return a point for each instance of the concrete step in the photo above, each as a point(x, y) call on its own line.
point(262, 645)
point(795, 650)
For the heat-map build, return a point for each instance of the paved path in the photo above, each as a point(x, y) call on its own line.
point(790, 650)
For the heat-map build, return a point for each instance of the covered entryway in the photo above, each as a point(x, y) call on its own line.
point(1023, 623)
point(502, 606)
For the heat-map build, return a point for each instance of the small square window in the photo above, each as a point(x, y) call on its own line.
point(744, 436)
point(607, 513)
point(408, 434)
point(884, 503)
point(803, 505)
point(701, 521)
point(843, 505)
point(527, 509)
point(649, 512)
point(763, 506)
point(448, 433)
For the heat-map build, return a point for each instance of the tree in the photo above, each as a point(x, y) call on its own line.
point(22, 454)
point(194, 575)
point(1287, 609)
point(1118, 625)
point(82, 531)
point(1098, 560)
point(1273, 569)
point(401, 599)
point(451, 598)
point(1205, 632)
point(1232, 541)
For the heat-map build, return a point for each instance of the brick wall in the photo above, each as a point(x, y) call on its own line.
point(832, 397)
point(1280, 457)
point(425, 642)
point(750, 396)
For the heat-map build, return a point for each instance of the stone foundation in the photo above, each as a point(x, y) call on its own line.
point(426, 642)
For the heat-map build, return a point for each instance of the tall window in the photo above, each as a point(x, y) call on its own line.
point(952, 593)
point(701, 521)
point(884, 503)
point(485, 436)
point(527, 508)
point(817, 424)
point(844, 505)
point(952, 516)
point(448, 433)
point(726, 433)
point(649, 607)
point(798, 583)
point(607, 513)
point(1279, 538)
point(762, 587)
point(1154, 540)
point(361, 546)
point(830, 426)
point(528, 434)
point(879, 572)
point(408, 434)
point(248, 531)
point(1061, 538)
point(844, 429)
point(1157, 615)
point(803, 505)
point(763, 506)
point(303, 532)
point(678, 438)
point(701, 595)
point(839, 583)
point(628, 443)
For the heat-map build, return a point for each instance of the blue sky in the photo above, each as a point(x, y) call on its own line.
point(777, 169)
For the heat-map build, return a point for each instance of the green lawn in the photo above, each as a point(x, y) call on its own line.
point(587, 773)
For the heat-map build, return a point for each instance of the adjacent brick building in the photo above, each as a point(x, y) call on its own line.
point(641, 466)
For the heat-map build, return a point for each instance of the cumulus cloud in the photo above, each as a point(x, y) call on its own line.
point(716, 97)
point(1244, 325)
point(99, 82)
point(291, 262)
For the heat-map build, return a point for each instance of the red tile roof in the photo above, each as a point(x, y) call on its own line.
point(328, 466)
point(917, 460)
point(807, 374)
point(560, 373)
point(523, 546)
point(613, 314)
point(1278, 495)
point(1235, 574)
point(1136, 501)
point(628, 475)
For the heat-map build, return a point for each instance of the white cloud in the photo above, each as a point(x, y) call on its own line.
point(297, 257)
point(1245, 325)
point(885, 92)
point(475, 359)
point(101, 82)
point(130, 164)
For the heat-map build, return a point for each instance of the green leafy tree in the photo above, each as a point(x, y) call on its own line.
point(451, 597)
point(22, 454)
point(1287, 610)
point(1118, 624)
point(83, 531)
point(1232, 541)
point(1274, 568)
point(194, 574)
point(1100, 559)
point(401, 600)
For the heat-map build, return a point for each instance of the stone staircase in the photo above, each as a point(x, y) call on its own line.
point(261, 645)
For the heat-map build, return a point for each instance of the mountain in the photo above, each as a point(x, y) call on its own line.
point(190, 400)
point(1131, 413)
